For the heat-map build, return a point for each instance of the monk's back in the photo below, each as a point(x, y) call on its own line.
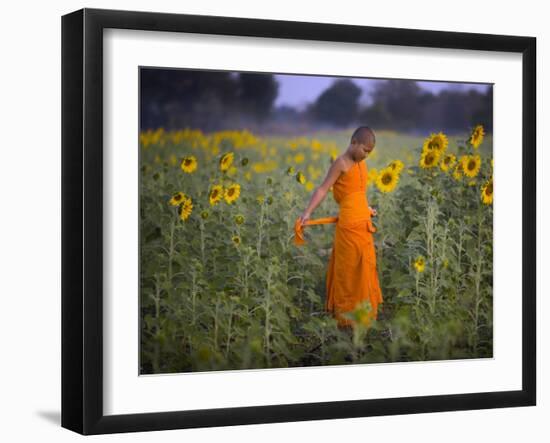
point(349, 191)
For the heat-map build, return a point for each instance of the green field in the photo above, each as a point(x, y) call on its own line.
point(222, 286)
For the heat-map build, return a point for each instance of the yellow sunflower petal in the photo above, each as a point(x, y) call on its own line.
point(387, 180)
point(189, 164)
point(232, 193)
point(216, 194)
point(476, 137)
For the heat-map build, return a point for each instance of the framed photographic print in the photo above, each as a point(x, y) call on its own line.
point(269, 221)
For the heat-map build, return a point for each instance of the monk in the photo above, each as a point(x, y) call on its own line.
point(351, 276)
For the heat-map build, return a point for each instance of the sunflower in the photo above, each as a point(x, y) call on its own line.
point(232, 193)
point(236, 240)
point(216, 194)
point(299, 158)
point(226, 161)
point(290, 170)
point(204, 215)
point(301, 178)
point(458, 172)
point(239, 219)
point(487, 192)
point(420, 264)
point(397, 166)
point(244, 161)
point(447, 162)
point(436, 142)
point(371, 175)
point(387, 179)
point(429, 158)
point(185, 209)
point(363, 316)
point(476, 137)
point(189, 164)
point(471, 165)
point(310, 186)
point(260, 199)
point(177, 198)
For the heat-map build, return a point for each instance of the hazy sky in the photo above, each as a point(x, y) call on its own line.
point(296, 90)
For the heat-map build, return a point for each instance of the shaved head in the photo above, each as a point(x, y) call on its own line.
point(364, 135)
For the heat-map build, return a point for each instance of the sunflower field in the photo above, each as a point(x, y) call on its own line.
point(222, 285)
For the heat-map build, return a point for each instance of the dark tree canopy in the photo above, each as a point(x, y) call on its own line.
point(216, 100)
point(338, 104)
point(257, 94)
point(210, 100)
point(403, 106)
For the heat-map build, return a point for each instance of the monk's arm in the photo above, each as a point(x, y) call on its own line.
point(320, 193)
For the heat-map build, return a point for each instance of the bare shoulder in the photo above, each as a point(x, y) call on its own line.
point(334, 172)
point(340, 164)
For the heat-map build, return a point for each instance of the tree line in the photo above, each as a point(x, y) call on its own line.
point(216, 100)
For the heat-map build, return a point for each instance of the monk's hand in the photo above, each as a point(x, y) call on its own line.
point(373, 211)
point(304, 217)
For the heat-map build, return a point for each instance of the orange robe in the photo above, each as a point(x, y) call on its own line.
point(351, 276)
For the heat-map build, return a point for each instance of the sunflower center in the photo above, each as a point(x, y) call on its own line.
point(430, 159)
point(231, 192)
point(187, 161)
point(214, 193)
point(489, 189)
point(386, 179)
point(471, 165)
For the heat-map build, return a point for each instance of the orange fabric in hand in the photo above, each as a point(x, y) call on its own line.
point(299, 239)
point(352, 275)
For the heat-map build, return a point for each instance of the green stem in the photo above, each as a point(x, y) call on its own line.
point(260, 231)
point(430, 226)
point(171, 249)
point(156, 357)
point(194, 296)
point(460, 241)
point(216, 322)
point(267, 327)
point(417, 291)
point(203, 256)
point(478, 279)
point(228, 342)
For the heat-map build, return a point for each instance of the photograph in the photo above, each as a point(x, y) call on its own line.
point(299, 220)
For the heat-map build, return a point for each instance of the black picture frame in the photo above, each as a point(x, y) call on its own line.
point(82, 218)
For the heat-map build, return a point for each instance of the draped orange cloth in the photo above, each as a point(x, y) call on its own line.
point(352, 275)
